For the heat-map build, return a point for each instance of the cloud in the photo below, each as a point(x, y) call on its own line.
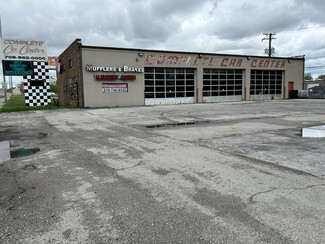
point(233, 21)
point(223, 26)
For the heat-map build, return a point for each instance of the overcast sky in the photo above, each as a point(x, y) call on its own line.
point(218, 26)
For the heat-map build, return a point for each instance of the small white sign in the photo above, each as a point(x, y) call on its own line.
point(113, 88)
point(18, 49)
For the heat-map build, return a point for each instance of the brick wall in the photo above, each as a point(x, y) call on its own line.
point(69, 78)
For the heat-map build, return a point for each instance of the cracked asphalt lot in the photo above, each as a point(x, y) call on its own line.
point(200, 173)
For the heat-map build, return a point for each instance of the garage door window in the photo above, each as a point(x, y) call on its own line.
point(169, 82)
point(266, 82)
point(222, 82)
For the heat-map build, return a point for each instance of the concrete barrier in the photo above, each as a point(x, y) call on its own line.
point(316, 131)
point(4, 151)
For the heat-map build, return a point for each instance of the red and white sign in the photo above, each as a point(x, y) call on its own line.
point(18, 49)
point(52, 61)
point(116, 87)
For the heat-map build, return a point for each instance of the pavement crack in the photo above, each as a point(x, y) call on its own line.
point(131, 167)
point(259, 161)
point(252, 200)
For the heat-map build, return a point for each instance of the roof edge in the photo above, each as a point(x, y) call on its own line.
point(302, 57)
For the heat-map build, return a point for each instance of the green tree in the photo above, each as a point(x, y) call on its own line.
point(308, 76)
point(321, 77)
point(54, 88)
point(53, 85)
point(20, 86)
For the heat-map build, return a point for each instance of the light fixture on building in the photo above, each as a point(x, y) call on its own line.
point(200, 56)
point(249, 58)
point(140, 54)
point(289, 61)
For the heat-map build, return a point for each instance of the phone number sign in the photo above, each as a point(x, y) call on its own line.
point(17, 49)
point(114, 88)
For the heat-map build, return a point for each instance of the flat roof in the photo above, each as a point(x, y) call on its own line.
point(302, 57)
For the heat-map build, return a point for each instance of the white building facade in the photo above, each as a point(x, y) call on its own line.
point(108, 77)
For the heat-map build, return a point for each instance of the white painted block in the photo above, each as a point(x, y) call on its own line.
point(4, 151)
point(316, 131)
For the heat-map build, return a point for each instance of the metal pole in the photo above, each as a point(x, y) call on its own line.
point(3, 73)
point(270, 45)
point(5, 88)
point(269, 38)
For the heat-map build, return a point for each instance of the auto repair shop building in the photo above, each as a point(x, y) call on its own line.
point(91, 76)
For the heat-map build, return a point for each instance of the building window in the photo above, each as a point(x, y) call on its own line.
point(70, 63)
point(266, 82)
point(169, 82)
point(222, 82)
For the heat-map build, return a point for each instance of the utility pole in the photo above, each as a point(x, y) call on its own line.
point(3, 73)
point(269, 37)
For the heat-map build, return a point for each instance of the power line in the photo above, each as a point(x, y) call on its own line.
point(304, 29)
point(316, 67)
point(236, 43)
point(315, 57)
point(233, 44)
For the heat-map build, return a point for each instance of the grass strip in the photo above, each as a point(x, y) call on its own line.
point(17, 103)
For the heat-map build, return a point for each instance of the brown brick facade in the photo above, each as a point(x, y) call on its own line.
point(69, 77)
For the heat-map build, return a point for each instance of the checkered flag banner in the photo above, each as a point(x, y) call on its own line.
point(37, 86)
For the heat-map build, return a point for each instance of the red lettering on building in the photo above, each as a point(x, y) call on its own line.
point(188, 60)
point(182, 59)
point(161, 59)
point(234, 62)
point(106, 77)
point(150, 59)
point(224, 62)
point(253, 63)
point(205, 60)
point(196, 61)
point(263, 63)
point(115, 77)
point(212, 61)
point(128, 77)
point(283, 64)
point(172, 60)
point(277, 64)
